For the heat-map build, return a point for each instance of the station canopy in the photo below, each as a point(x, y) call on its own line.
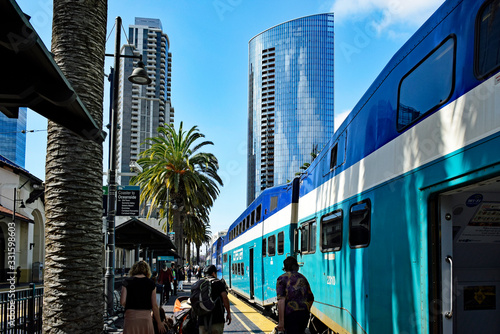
point(134, 232)
point(31, 78)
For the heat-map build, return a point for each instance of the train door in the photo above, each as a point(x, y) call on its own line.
point(230, 269)
point(469, 239)
point(251, 274)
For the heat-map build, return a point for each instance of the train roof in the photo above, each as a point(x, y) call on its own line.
point(430, 24)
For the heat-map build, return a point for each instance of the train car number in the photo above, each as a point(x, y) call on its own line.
point(330, 280)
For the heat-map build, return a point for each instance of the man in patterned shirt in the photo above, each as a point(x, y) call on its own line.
point(295, 299)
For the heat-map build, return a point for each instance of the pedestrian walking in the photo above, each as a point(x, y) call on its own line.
point(182, 277)
point(166, 279)
point(138, 297)
point(175, 277)
point(295, 298)
point(213, 322)
point(189, 273)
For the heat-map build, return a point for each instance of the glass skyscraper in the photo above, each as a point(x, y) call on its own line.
point(142, 109)
point(13, 137)
point(290, 111)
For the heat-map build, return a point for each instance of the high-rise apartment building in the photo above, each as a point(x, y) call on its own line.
point(13, 137)
point(290, 108)
point(142, 109)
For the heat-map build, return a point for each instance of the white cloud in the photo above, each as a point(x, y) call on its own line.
point(385, 13)
point(339, 118)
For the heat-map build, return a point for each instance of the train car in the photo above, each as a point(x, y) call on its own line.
point(399, 216)
point(396, 224)
point(216, 255)
point(257, 243)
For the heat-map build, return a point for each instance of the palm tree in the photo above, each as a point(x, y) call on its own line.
point(177, 178)
point(202, 239)
point(314, 154)
point(196, 230)
point(73, 285)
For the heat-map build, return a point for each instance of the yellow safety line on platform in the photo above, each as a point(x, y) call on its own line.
point(254, 316)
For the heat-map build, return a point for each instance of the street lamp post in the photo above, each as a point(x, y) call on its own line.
point(139, 76)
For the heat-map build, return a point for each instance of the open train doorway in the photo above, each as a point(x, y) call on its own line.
point(251, 275)
point(230, 270)
point(466, 270)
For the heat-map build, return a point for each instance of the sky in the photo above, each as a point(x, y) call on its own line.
point(209, 46)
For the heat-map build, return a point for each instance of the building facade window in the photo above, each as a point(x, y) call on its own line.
point(291, 99)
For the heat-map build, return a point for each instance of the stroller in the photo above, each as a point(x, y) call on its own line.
point(184, 321)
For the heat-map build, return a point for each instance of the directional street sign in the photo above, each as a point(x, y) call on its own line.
point(127, 200)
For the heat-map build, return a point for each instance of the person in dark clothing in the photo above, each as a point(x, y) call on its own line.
point(175, 276)
point(165, 278)
point(163, 318)
point(295, 299)
point(138, 297)
point(213, 323)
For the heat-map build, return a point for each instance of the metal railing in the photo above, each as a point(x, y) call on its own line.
point(21, 310)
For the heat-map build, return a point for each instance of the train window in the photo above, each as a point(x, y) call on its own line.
point(428, 85)
point(264, 247)
point(271, 245)
point(252, 218)
point(247, 222)
point(242, 269)
point(274, 203)
point(224, 258)
point(304, 240)
point(331, 231)
point(281, 243)
point(308, 237)
point(333, 157)
point(359, 224)
point(258, 213)
point(487, 58)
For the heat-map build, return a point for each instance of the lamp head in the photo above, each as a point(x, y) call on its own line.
point(139, 75)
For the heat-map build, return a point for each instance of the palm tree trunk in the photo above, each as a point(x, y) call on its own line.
point(73, 277)
point(178, 234)
point(188, 251)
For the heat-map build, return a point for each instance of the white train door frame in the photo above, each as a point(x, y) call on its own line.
point(467, 258)
point(446, 259)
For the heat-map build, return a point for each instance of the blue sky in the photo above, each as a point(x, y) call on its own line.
point(209, 45)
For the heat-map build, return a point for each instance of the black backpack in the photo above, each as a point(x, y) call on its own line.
point(201, 297)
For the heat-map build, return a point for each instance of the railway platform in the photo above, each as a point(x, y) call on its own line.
point(245, 319)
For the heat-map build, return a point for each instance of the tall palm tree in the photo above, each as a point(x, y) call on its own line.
point(195, 230)
point(73, 285)
point(200, 240)
point(314, 154)
point(177, 178)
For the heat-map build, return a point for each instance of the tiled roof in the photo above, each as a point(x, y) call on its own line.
point(7, 212)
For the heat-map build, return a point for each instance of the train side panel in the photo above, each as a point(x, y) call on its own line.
point(390, 284)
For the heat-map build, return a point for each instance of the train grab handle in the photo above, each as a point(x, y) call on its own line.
point(449, 314)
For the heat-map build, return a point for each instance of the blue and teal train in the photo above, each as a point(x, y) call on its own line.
point(396, 224)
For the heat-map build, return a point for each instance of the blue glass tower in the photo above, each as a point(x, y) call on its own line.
point(13, 137)
point(290, 111)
